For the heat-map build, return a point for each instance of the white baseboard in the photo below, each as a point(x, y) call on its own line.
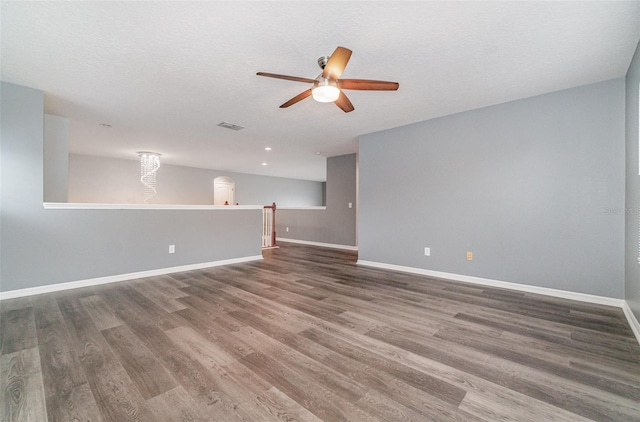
point(583, 297)
point(11, 294)
point(633, 322)
point(323, 245)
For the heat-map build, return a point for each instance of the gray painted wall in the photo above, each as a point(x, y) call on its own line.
point(108, 180)
point(56, 158)
point(337, 223)
point(342, 189)
point(40, 247)
point(527, 186)
point(632, 207)
point(311, 225)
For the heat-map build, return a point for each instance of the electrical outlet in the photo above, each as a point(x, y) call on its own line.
point(469, 256)
point(287, 229)
point(350, 205)
point(427, 251)
point(172, 248)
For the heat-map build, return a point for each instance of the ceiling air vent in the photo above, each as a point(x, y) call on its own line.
point(231, 126)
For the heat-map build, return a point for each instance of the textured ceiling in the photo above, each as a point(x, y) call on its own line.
point(164, 74)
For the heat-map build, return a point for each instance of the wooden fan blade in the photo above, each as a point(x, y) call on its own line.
point(299, 97)
point(367, 85)
point(336, 64)
point(344, 103)
point(289, 78)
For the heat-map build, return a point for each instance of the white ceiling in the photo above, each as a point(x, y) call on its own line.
point(164, 74)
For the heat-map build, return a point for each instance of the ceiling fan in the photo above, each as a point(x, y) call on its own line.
point(327, 87)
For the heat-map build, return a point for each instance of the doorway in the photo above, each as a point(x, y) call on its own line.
point(223, 190)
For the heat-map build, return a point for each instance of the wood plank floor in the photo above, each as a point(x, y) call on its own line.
point(307, 335)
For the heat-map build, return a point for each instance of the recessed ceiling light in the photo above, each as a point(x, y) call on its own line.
point(264, 164)
point(267, 148)
point(317, 152)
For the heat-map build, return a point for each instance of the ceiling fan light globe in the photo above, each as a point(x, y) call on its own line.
point(326, 94)
point(325, 91)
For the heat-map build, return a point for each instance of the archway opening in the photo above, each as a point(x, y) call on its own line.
point(224, 189)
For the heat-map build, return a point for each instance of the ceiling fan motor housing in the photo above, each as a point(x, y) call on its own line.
point(322, 61)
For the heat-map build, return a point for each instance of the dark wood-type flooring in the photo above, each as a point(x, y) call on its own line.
point(306, 334)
